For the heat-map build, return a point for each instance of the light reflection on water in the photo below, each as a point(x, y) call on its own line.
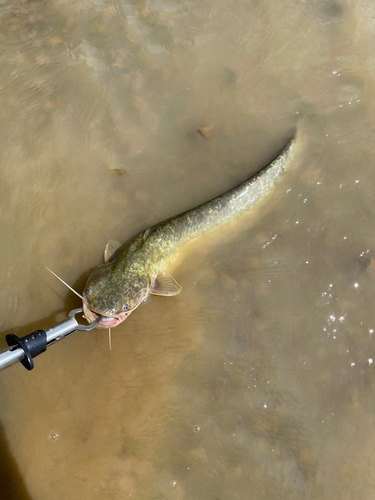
point(257, 380)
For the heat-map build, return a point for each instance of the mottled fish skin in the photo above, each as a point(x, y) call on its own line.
point(117, 287)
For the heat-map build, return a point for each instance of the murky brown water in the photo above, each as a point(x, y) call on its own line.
point(258, 380)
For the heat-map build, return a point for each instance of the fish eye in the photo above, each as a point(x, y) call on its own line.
point(125, 307)
point(89, 290)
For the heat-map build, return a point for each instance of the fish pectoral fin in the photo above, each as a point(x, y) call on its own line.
point(165, 285)
point(110, 249)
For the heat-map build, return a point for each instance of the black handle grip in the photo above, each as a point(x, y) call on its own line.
point(32, 345)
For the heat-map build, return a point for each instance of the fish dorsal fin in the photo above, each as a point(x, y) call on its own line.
point(165, 285)
point(110, 249)
point(146, 233)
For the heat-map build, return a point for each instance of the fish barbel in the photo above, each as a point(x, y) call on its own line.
point(137, 269)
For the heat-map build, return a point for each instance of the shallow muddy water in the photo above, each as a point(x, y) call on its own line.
point(258, 380)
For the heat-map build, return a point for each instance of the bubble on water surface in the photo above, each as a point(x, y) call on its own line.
point(53, 436)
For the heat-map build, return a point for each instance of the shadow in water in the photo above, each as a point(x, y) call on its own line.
point(12, 486)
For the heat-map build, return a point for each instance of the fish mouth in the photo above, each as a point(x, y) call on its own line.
point(105, 321)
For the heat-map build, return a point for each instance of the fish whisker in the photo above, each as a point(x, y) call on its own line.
point(70, 288)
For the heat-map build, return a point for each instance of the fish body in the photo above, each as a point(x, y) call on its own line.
point(137, 269)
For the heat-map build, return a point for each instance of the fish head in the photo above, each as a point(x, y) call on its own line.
point(113, 295)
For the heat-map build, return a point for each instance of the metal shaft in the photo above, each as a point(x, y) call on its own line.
point(54, 334)
point(61, 330)
point(10, 357)
point(35, 343)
